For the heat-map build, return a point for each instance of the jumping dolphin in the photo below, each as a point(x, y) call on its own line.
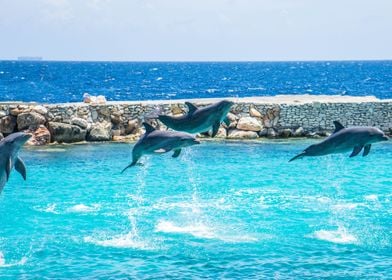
point(9, 149)
point(345, 139)
point(156, 141)
point(199, 120)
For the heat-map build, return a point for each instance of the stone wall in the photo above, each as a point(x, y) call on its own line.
point(250, 118)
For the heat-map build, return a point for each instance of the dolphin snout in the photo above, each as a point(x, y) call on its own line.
point(385, 138)
point(196, 141)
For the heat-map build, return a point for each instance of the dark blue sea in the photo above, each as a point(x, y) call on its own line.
point(53, 82)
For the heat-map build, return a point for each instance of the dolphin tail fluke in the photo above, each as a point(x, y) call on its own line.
point(301, 155)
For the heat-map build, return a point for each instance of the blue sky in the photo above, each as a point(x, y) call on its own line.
point(220, 30)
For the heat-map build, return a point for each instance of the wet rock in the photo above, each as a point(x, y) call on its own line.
point(82, 123)
point(30, 120)
point(299, 132)
point(100, 132)
point(285, 133)
point(7, 124)
point(271, 133)
point(67, 133)
point(263, 132)
point(241, 134)
point(41, 136)
point(249, 124)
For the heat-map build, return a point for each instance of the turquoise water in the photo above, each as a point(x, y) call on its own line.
point(222, 209)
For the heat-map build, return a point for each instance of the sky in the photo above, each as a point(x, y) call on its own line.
point(196, 30)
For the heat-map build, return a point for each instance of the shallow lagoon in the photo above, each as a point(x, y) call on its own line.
point(222, 209)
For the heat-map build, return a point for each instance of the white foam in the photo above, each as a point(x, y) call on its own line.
point(3, 263)
point(50, 208)
point(371, 197)
point(346, 206)
point(340, 236)
point(159, 78)
point(324, 199)
point(200, 230)
point(81, 208)
point(128, 240)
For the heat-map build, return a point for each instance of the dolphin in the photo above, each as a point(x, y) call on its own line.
point(345, 139)
point(157, 141)
point(199, 120)
point(9, 158)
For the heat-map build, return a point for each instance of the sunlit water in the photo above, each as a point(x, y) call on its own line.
point(222, 209)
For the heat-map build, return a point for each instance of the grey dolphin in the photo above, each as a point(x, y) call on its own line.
point(9, 158)
point(199, 120)
point(157, 141)
point(345, 139)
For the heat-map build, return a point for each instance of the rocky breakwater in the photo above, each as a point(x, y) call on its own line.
point(250, 118)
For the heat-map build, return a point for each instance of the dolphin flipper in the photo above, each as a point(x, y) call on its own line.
point(301, 155)
point(366, 150)
point(176, 153)
point(227, 121)
point(215, 129)
point(356, 151)
point(8, 167)
point(20, 167)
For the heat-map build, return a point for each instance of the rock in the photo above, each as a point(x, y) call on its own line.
point(30, 120)
point(16, 111)
point(67, 133)
point(3, 114)
point(87, 98)
point(241, 134)
point(115, 118)
point(7, 124)
point(222, 133)
point(101, 99)
point(176, 110)
point(299, 132)
point(285, 133)
point(41, 136)
point(271, 133)
point(40, 110)
point(82, 123)
point(232, 117)
point(249, 124)
point(132, 126)
point(263, 132)
point(254, 113)
point(100, 132)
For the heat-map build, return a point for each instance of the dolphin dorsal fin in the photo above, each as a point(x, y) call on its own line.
point(149, 128)
point(191, 107)
point(338, 126)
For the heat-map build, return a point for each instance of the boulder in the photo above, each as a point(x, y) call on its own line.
point(40, 110)
point(263, 132)
point(249, 124)
point(3, 113)
point(253, 112)
point(101, 99)
point(100, 132)
point(285, 133)
point(30, 120)
point(271, 133)
point(7, 124)
point(299, 132)
point(67, 133)
point(82, 123)
point(241, 134)
point(222, 133)
point(41, 136)
point(132, 126)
